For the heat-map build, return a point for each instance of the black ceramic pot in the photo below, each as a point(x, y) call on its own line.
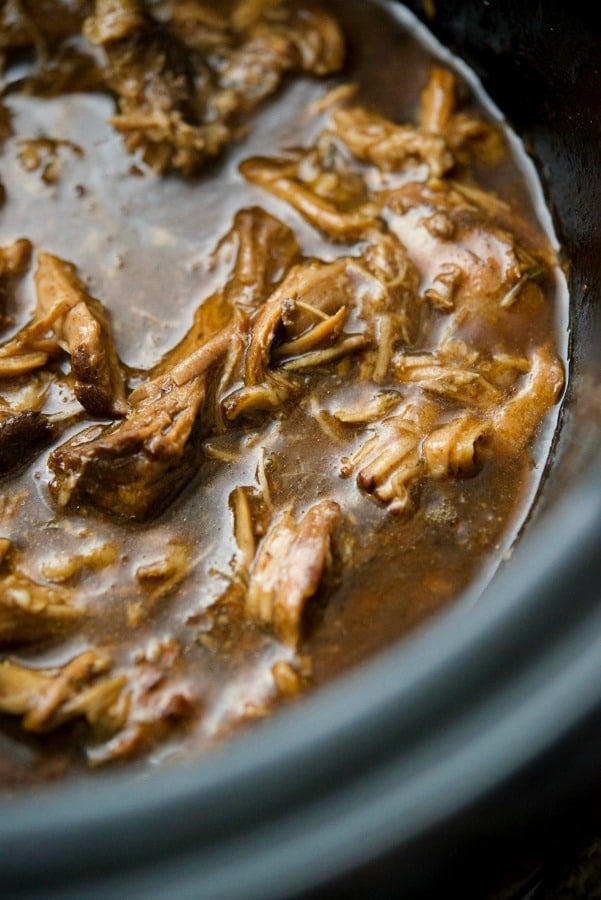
point(431, 764)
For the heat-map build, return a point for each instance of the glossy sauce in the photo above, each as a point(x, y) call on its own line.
point(143, 242)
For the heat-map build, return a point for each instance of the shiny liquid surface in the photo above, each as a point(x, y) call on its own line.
point(143, 243)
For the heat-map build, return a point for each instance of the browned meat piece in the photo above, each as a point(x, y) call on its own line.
point(263, 249)
point(268, 396)
point(289, 568)
point(149, 72)
point(45, 699)
point(390, 147)
point(302, 325)
point(390, 463)
point(465, 135)
point(252, 513)
point(249, 52)
point(396, 311)
point(459, 381)
point(82, 329)
point(31, 349)
point(14, 260)
point(40, 23)
point(515, 423)
point(312, 294)
point(32, 611)
point(22, 434)
point(369, 409)
point(157, 702)
point(470, 268)
point(134, 468)
point(68, 318)
point(312, 304)
point(450, 451)
point(307, 312)
point(342, 218)
point(126, 712)
point(274, 42)
point(505, 399)
point(182, 81)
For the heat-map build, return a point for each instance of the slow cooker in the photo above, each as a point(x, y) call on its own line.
point(456, 759)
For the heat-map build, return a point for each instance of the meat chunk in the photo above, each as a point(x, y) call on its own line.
point(32, 611)
point(184, 78)
point(389, 464)
point(22, 435)
point(502, 402)
point(471, 268)
point(157, 703)
point(82, 329)
point(39, 23)
point(148, 71)
point(456, 381)
point(14, 260)
point(265, 250)
point(467, 136)
point(134, 468)
point(312, 294)
point(323, 312)
point(307, 313)
point(396, 312)
point(289, 567)
point(252, 514)
point(30, 350)
point(450, 450)
point(368, 409)
point(333, 202)
point(67, 318)
point(273, 42)
point(390, 147)
point(45, 699)
point(126, 711)
point(260, 250)
point(516, 422)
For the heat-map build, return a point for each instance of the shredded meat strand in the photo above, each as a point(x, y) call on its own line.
point(289, 567)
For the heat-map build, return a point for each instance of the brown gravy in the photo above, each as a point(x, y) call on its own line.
point(154, 591)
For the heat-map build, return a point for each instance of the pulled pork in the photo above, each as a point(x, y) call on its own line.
point(286, 570)
point(126, 711)
point(406, 355)
point(134, 468)
point(184, 78)
point(30, 610)
point(68, 319)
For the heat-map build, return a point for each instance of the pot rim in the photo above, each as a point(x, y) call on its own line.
point(475, 694)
